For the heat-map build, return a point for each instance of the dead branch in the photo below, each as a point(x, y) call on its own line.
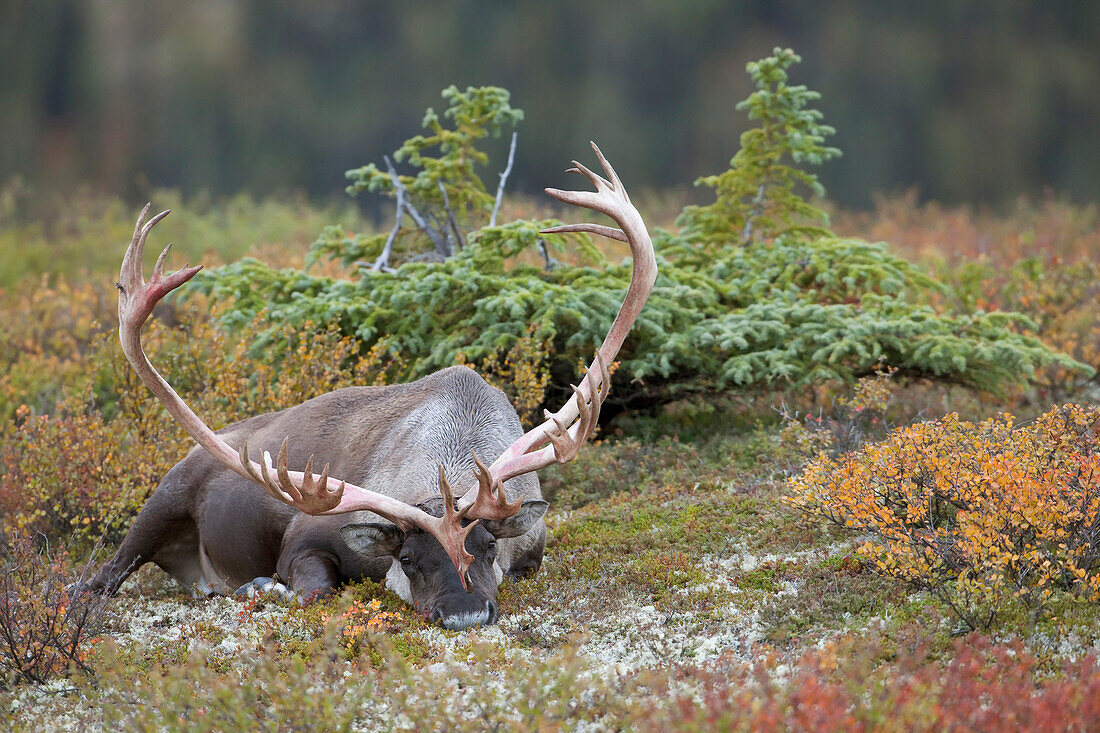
point(503, 178)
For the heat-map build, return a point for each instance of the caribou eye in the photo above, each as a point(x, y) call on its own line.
point(492, 546)
point(406, 560)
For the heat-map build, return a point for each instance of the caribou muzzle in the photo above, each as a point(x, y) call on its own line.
point(457, 612)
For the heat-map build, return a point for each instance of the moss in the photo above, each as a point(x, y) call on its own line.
point(767, 577)
point(832, 593)
point(205, 631)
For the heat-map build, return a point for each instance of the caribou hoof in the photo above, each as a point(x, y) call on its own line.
point(264, 586)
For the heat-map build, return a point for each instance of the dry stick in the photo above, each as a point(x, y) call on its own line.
point(503, 178)
point(754, 211)
point(459, 243)
point(551, 263)
point(432, 233)
point(383, 261)
point(437, 226)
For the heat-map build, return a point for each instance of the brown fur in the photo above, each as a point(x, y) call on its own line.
point(215, 531)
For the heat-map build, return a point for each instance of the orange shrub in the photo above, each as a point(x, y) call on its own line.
point(89, 466)
point(983, 687)
point(46, 335)
point(363, 619)
point(980, 515)
point(1061, 297)
point(43, 632)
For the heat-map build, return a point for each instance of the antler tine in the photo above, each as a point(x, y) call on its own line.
point(307, 478)
point(158, 268)
point(587, 199)
point(250, 467)
point(323, 481)
point(490, 502)
point(604, 231)
point(605, 376)
point(613, 177)
point(595, 178)
point(313, 496)
point(131, 274)
point(284, 474)
point(484, 478)
point(445, 491)
point(567, 441)
point(131, 260)
point(451, 525)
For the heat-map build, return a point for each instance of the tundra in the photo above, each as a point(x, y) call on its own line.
point(227, 517)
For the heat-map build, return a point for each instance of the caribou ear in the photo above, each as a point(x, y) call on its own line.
point(373, 540)
point(518, 523)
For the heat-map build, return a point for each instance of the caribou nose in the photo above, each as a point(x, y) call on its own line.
point(459, 616)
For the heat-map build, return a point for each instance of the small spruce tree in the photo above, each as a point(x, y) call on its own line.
point(754, 290)
point(759, 196)
point(444, 198)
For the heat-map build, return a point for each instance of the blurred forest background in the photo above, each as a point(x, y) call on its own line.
point(973, 102)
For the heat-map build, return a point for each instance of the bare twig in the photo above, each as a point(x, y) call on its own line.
point(503, 178)
point(383, 260)
point(551, 263)
point(459, 243)
point(426, 257)
point(45, 625)
point(754, 211)
point(438, 226)
point(424, 226)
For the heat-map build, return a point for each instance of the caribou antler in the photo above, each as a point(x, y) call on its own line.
point(555, 440)
point(314, 495)
point(558, 439)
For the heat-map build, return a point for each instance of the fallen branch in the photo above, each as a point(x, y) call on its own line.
point(503, 178)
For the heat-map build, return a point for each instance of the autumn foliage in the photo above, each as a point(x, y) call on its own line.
point(86, 467)
point(44, 630)
point(984, 687)
point(983, 515)
point(363, 619)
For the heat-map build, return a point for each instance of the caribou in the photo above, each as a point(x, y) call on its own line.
point(229, 519)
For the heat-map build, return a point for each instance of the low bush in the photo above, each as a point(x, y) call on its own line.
point(1061, 298)
point(853, 418)
point(984, 515)
point(260, 692)
point(46, 338)
point(44, 632)
point(85, 469)
point(860, 684)
point(1037, 258)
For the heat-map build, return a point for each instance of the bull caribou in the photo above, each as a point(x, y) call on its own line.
point(227, 517)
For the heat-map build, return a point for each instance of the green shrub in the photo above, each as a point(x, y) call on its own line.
point(753, 291)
